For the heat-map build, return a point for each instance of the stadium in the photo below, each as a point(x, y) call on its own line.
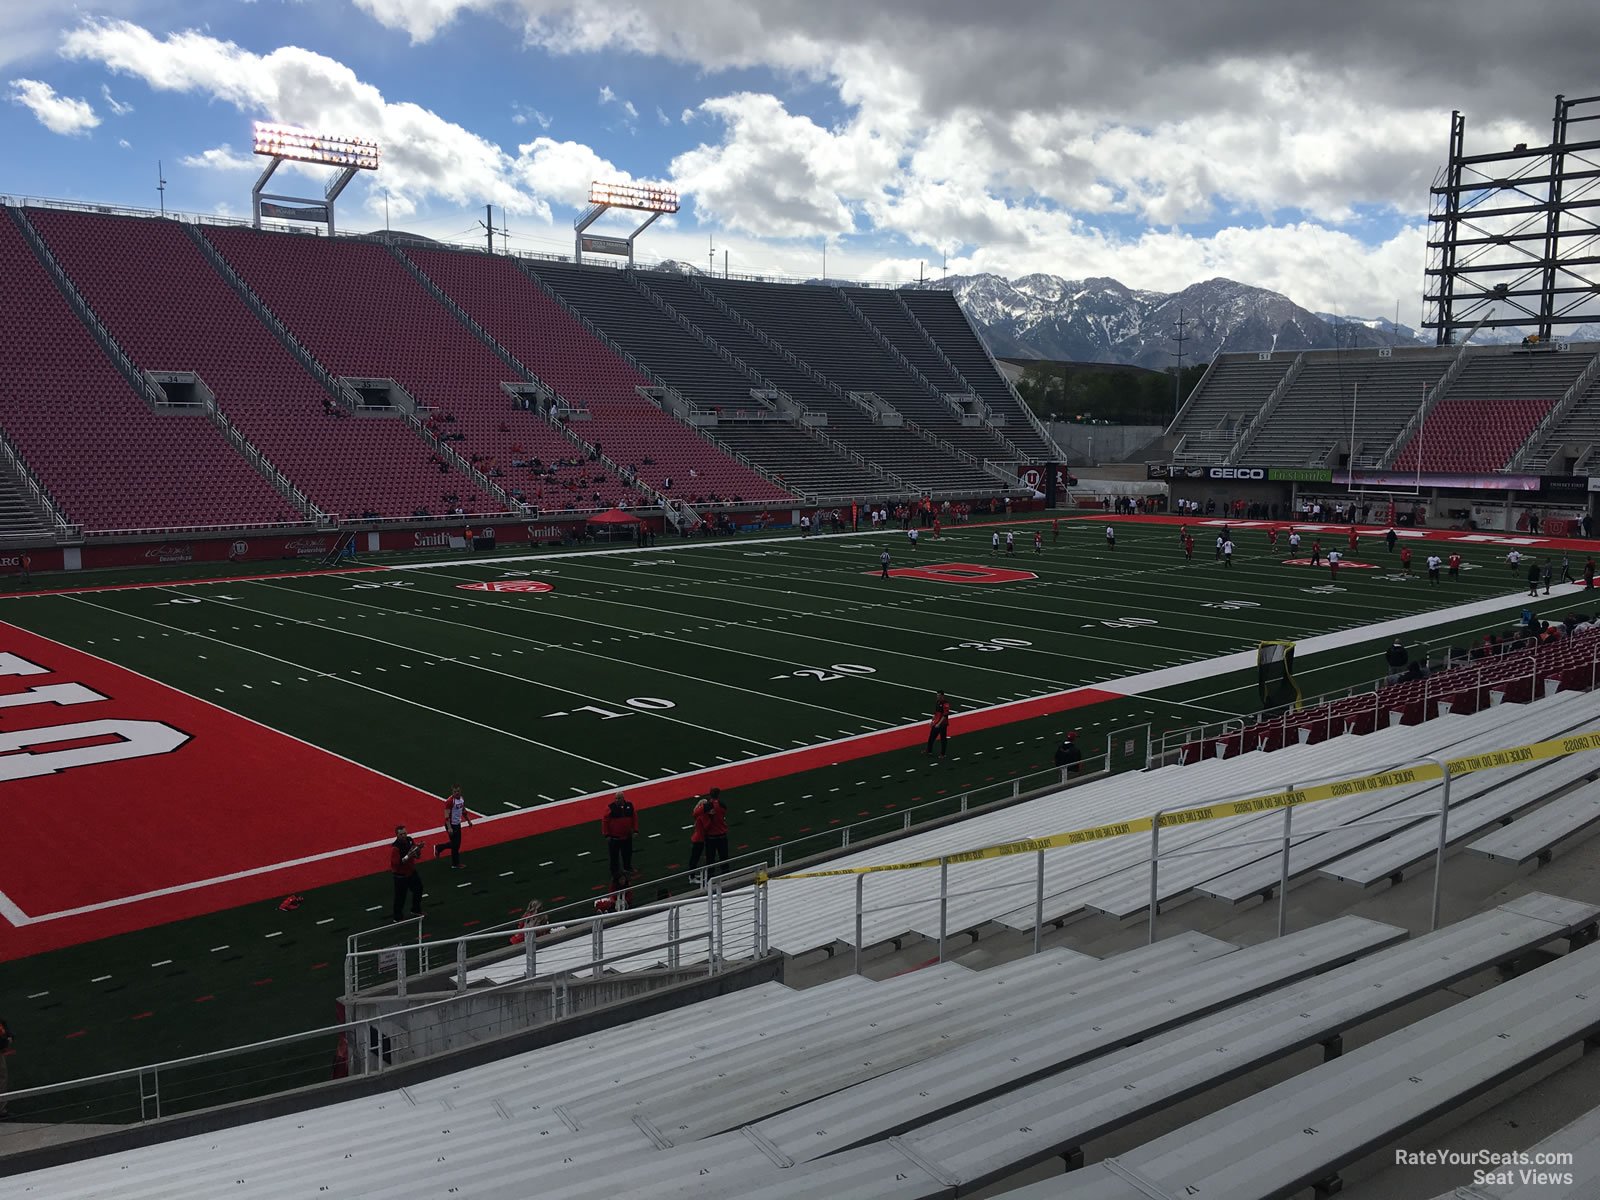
point(860, 795)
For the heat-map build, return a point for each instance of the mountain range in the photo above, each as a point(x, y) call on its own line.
point(1103, 320)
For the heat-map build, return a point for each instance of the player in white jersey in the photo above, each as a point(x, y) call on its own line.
point(455, 811)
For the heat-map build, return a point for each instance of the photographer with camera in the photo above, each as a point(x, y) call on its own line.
point(403, 854)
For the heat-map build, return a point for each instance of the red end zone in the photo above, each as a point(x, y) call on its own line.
point(128, 794)
point(141, 805)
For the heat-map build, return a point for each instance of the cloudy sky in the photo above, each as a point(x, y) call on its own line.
point(1285, 144)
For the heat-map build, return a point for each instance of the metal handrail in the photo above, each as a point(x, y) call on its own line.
point(1430, 398)
point(64, 529)
point(1247, 435)
point(1558, 412)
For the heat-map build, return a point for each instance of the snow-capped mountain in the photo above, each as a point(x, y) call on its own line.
point(1101, 320)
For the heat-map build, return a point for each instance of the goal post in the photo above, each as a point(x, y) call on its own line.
point(1275, 680)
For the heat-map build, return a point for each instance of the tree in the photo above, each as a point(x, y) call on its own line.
point(1102, 393)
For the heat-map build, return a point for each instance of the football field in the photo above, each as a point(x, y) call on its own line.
point(190, 752)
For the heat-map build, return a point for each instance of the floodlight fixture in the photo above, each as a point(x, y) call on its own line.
point(646, 197)
point(302, 145)
point(653, 198)
point(289, 143)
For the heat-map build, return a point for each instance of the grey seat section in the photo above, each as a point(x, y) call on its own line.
point(981, 1144)
point(1533, 836)
point(1120, 884)
point(1065, 1035)
point(974, 1144)
point(604, 1120)
point(1419, 842)
point(1316, 849)
point(1306, 1129)
point(1581, 1140)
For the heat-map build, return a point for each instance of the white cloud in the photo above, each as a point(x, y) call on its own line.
point(563, 171)
point(607, 96)
point(425, 156)
point(59, 114)
point(662, 117)
point(221, 158)
point(782, 175)
point(117, 107)
point(124, 143)
point(522, 116)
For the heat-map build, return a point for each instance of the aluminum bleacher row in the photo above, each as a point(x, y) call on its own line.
point(1570, 440)
point(812, 323)
point(107, 459)
point(1359, 839)
point(941, 320)
point(630, 318)
point(1580, 1140)
point(1315, 414)
point(809, 462)
point(936, 1082)
point(1568, 663)
point(1227, 398)
point(1490, 409)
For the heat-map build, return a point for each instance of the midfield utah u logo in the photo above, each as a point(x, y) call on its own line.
point(956, 572)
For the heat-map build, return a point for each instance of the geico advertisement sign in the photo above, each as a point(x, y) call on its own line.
point(1251, 473)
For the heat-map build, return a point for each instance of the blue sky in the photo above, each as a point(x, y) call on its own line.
point(1071, 137)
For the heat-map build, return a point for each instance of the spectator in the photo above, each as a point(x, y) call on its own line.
point(710, 834)
point(403, 854)
point(1068, 757)
point(618, 827)
point(1397, 658)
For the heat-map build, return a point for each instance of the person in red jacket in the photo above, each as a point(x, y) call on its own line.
point(618, 827)
point(1405, 559)
point(710, 836)
point(1354, 541)
point(403, 854)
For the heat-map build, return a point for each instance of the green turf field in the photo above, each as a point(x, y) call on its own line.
point(640, 665)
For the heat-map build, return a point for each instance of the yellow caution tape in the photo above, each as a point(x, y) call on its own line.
point(1272, 802)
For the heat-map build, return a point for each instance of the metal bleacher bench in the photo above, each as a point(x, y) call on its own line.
point(1391, 858)
point(1055, 1033)
point(1581, 1139)
point(1302, 1132)
point(1535, 835)
point(955, 1140)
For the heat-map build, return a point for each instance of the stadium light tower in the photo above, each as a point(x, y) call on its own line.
point(603, 197)
point(286, 143)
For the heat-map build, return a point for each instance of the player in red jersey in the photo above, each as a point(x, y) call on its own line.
point(1405, 559)
point(1354, 540)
